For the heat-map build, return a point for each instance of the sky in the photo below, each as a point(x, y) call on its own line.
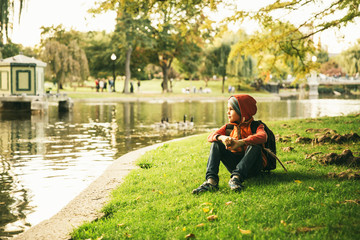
point(73, 14)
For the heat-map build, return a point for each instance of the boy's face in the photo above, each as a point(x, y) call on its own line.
point(232, 115)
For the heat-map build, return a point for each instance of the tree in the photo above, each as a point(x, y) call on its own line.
point(350, 60)
point(131, 30)
point(6, 11)
point(10, 49)
point(168, 23)
point(240, 65)
point(98, 48)
point(279, 51)
point(132, 25)
point(219, 58)
point(67, 62)
point(177, 27)
point(331, 68)
point(317, 16)
point(189, 61)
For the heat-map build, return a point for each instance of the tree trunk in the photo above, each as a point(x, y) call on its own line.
point(164, 83)
point(58, 81)
point(206, 81)
point(223, 84)
point(127, 70)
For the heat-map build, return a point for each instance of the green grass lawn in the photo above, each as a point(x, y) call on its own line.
point(305, 203)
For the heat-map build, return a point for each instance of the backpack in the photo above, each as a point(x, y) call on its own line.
point(270, 143)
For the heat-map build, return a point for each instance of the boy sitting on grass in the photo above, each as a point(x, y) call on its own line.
point(240, 151)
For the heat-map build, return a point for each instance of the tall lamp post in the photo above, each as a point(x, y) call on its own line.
point(313, 82)
point(113, 58)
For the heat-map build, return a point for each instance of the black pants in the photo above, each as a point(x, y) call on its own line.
point(244, 166)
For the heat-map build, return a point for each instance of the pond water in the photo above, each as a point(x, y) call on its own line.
point(46, 160)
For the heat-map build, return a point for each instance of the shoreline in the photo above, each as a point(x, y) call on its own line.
point(170, 99)
point(87, 205)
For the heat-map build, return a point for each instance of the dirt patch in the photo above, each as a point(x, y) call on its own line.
point(288, 149)
point(320, 130)
point(337, 138)
point(348, 174)
point(303, 140)
point(346, 158)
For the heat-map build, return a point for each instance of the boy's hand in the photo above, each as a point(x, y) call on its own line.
point(235, 144)
point(226, 140)
point(230, 143)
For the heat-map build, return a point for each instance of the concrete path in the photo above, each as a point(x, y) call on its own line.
point(87, 205)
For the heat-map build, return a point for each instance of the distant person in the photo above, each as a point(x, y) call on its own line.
point(101, 84)
point(97, 85)
point(110, 84)
point(131, 87)
point(138, 85)
point(105, 84)
point(239, 150)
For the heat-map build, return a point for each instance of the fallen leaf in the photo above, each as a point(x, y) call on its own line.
point(311, 188)
point(184, 229)
point(298, 181)
point(190, 235)
point(160, 192)
point(121, 224)
point(212, 217)
point(200, 225)
point(228, 203)
point(242, 231)
point(138, 197)
point(356, 201)
point(283, 222)
point(211, 211)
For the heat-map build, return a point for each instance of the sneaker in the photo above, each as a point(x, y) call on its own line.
point(206, 186)
point(235, 184)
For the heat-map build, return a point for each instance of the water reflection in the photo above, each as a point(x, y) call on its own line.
point(48, 159)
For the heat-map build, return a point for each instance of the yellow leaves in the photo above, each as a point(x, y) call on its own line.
point(158, 191)
point(228, 203)
point(283, 223)
point(121, 225)
point(245, 232)
point(184, 229)
point(212, 217)
point(206, 210)
point(300, 182)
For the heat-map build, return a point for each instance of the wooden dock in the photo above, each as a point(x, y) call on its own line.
point(23, 102)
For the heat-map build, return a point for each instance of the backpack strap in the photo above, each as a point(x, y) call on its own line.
point(229, 128)
point(254, 125)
